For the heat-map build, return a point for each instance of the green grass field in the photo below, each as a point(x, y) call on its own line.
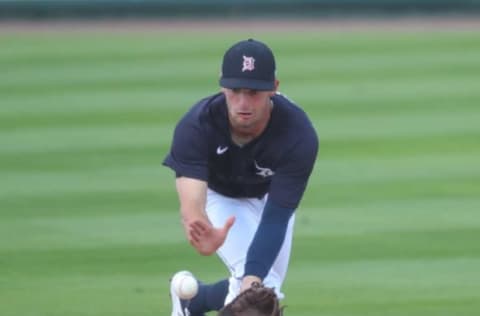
point(389, 226)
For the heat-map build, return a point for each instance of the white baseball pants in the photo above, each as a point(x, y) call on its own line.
point(233, 252)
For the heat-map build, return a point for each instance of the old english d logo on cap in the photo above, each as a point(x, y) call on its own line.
point(248, 64)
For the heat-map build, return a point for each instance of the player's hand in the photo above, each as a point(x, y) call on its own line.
point(206, 238)
point(248, 281)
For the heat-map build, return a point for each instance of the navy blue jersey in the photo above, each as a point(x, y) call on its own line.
point(277, 162)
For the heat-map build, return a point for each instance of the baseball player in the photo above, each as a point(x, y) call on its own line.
point(242, 159)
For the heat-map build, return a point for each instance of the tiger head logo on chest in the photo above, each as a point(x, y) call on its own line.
point(262, 171)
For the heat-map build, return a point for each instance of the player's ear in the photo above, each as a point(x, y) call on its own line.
point(277, 83)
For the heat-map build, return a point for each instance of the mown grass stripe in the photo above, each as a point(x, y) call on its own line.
point(355, 64)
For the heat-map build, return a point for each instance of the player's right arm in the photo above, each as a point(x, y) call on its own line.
point(192, 196)
point(188, 157)
point(205, 238)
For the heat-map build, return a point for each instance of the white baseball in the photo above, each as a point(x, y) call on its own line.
point(185, 285)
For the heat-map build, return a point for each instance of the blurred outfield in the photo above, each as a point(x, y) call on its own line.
point(390, 224)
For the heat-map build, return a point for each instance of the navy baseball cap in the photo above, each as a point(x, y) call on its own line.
point(248, 64)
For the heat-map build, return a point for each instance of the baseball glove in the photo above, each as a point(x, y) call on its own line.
point(255, 301)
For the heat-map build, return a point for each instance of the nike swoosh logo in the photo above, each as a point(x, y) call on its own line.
point(221, 150)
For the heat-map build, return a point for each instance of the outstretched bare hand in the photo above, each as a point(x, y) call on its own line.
point(206, 238)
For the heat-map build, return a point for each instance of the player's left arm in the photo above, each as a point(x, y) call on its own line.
point(286, 190)
point(266, 243)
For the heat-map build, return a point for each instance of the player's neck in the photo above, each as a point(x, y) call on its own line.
point(242, 137)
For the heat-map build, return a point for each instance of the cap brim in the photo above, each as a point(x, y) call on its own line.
point(236, 83)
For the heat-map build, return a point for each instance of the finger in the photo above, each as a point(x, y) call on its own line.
point(228, 224)
point(200, 226)
point(193, 242)
point(195, 230)
point(200, 247)
point(193, 236)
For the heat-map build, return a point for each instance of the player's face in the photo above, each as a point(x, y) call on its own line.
point(248, 110)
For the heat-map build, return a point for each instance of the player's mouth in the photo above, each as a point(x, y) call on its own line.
point(244, 115)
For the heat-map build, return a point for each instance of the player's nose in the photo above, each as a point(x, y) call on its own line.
point(244, 98)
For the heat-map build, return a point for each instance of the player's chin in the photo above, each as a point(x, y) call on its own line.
point(243, 122)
